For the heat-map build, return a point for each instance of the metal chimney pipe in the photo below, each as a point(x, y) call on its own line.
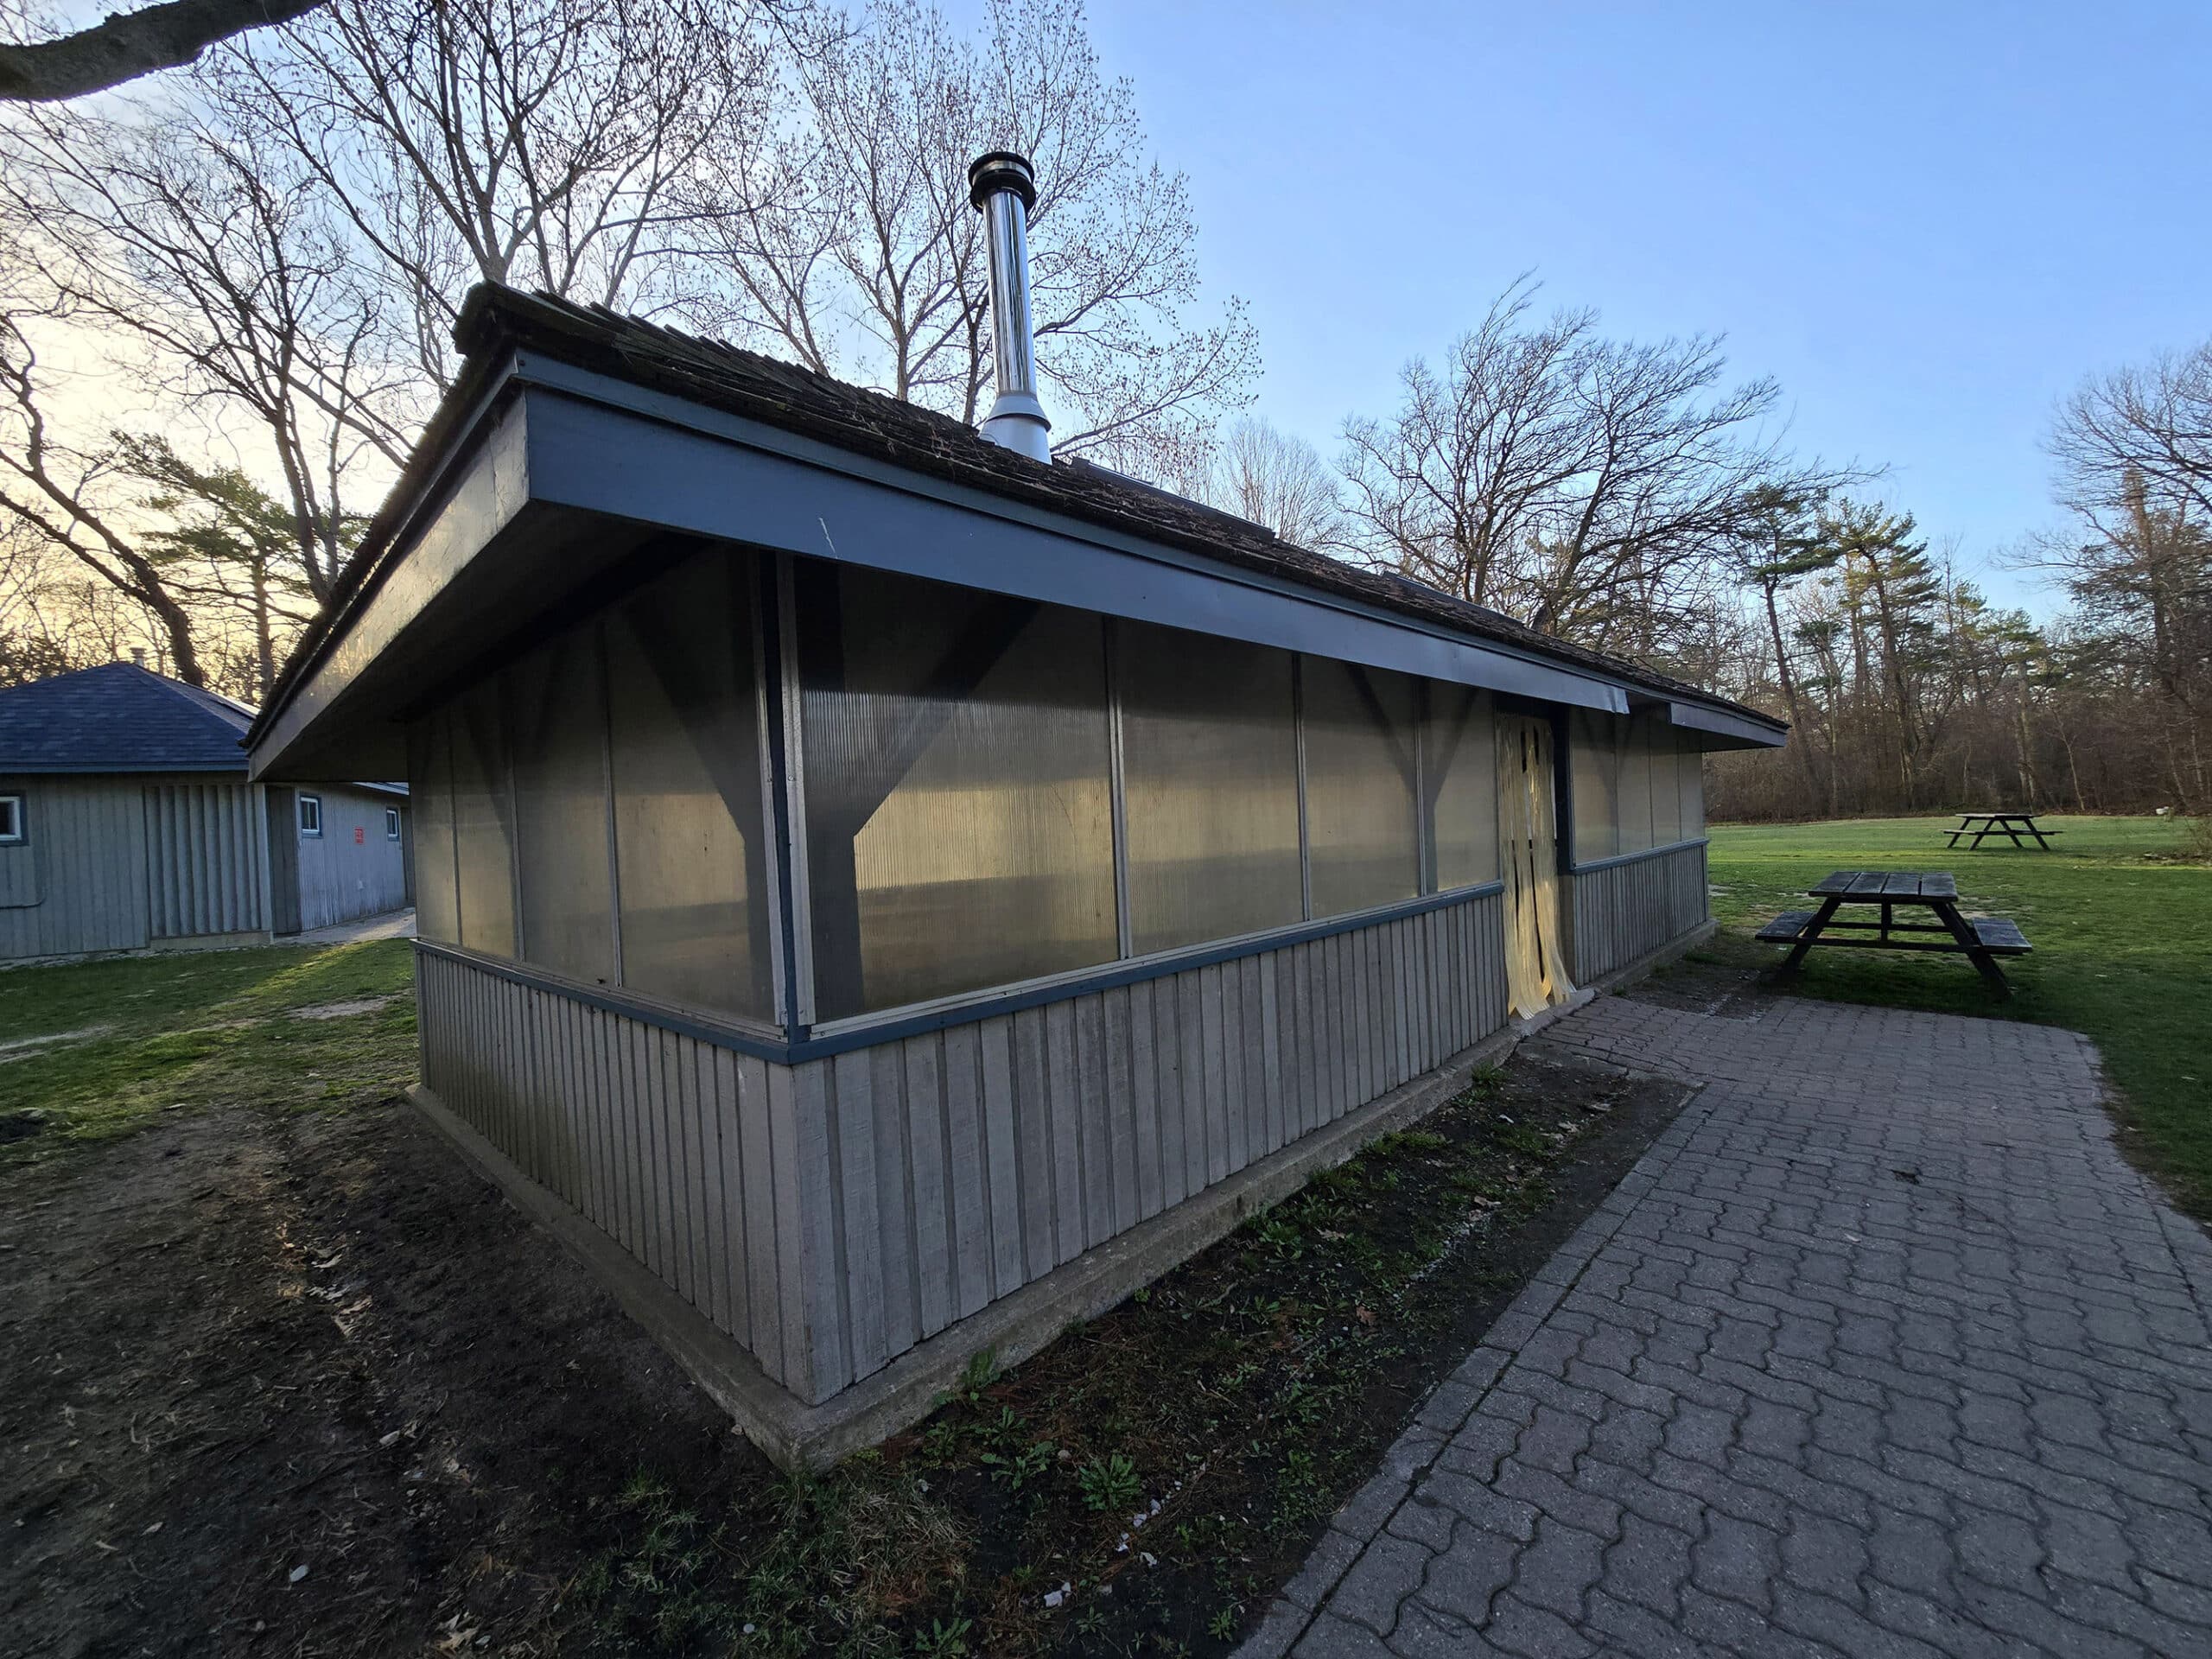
point(1003, 189)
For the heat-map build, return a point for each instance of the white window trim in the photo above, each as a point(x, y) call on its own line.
point(305, 802)
point(392, 824)
point(14, 831)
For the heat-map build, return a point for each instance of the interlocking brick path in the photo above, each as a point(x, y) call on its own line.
point(1882, 1349)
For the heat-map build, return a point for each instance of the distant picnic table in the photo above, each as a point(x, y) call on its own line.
point(2000, 823)
point(1982, 938)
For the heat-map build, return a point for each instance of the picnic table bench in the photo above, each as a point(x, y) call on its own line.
point(1935, 893)
point(2000, 823)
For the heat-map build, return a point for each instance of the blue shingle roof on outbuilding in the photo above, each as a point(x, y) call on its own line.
point(120, 717)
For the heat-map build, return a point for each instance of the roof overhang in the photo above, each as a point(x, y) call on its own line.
point(558, 476)
point(1722, 728)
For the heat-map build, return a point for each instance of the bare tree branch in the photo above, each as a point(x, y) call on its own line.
point(129, 44)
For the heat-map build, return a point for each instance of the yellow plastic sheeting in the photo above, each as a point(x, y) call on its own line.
point(1535, 973)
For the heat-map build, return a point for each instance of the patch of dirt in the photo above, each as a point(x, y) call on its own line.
point(343, 1009)
point(1705, 982)
point(239, 1344)
point(23, 1048)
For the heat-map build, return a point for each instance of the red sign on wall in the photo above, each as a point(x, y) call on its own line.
point(359, 834)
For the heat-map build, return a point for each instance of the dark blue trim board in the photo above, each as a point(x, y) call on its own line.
point(871, 1032)
point(1592, 866)
point(603, 456)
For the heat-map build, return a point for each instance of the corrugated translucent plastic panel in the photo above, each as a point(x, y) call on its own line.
point(1593, 749)
point(686, 788)
point(484, 832)
point(1209, 773)
point(559, 719)
point(1460, 765)
point(959, 821)
point(429, 786)
point(1690, 760)
point(1634, 809)
point(1657, 739)
point(1361, 832)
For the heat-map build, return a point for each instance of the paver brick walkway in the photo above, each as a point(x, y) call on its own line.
point(1881, 1350)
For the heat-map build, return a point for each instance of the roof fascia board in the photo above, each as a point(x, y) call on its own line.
point(482, 491)
point(72, 769)
point(1719, 722)
point(603, 446)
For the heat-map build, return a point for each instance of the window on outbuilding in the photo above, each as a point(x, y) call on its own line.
point(311, 816)
point(13, 829)
point(392, 824)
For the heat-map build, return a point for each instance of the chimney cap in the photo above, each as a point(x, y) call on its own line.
point(1001, 169)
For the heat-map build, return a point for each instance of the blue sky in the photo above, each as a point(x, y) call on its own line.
point(1927, 222)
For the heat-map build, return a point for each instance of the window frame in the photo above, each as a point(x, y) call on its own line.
point(15, 807)
point(300, 811)
point(392, 824)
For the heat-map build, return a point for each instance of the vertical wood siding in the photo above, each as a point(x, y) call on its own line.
point(1630, 909)
point(831, 1215)
point(77, 882)
point(204, 854)
point(340, 878)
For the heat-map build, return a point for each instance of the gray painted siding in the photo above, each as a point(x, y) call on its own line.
point(341, 879)
point(206, 858)
point(831, 1215)
point(1629, 909)
point(79, 883)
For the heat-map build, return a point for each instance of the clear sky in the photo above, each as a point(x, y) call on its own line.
point(1927, 220)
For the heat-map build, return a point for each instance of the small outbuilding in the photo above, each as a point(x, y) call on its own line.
point(885, 894)
point(127, 822)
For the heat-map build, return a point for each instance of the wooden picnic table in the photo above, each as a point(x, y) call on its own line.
point(1982, 938)
point(2000, 823)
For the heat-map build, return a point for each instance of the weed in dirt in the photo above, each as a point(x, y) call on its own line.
point(1108, 1483)
point(827, 1564)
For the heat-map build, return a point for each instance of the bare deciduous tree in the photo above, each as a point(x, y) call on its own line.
point(863, 258)
point(125, 45)
point(1272, 479)
point(67, 497)
point(240, 296)
point(2134, 454)
point(571, 146)
point(1590, 487)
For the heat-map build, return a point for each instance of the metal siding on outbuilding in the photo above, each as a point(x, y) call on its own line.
point(78, 882)
point(205, 859)
point(830, 1215)
point(341, 879)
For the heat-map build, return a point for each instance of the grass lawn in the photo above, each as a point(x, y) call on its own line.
point(132, 1037)
point(2121, 926)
